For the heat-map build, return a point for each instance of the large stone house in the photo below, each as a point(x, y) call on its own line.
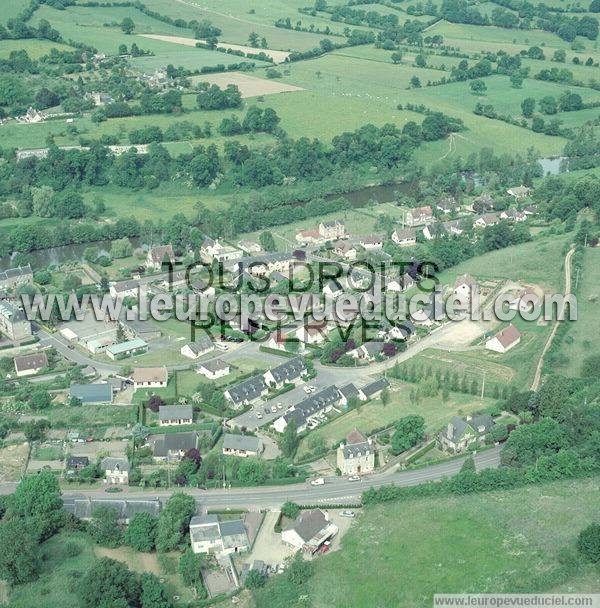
point(356, 456)
point(116, 470)
point(460, 434)
point(158, 255)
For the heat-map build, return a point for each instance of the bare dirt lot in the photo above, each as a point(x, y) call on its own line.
point(249, 86)
point(276, 56)
point(92, 449)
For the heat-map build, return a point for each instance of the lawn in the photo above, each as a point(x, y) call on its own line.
point(85, 416)
point(579, 342)
point(537, 262)
point(375, 415)
point(487, 543)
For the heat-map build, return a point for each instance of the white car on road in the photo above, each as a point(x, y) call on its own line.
point(319, 481)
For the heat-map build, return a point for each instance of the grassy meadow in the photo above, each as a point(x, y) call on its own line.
point(375, 415)
point(486, 543)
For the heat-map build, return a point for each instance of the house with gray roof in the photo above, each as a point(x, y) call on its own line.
point(372, 390)
point(291, 371)
point(12, 277)
point(214, 368)
point(172, 446)
point(356, 455)
point(210, 535)
point(201, 346)
point(460, 434)
point(175, 415)
point(90, 394)
point(347, 392)
point(309, 530)
point(247, 391)
point(116, 470)
point(84, 507)
point(13, 322)
point(241, 445)
point(314, 405)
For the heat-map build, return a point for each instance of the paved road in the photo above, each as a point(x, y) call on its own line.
point(335, 490)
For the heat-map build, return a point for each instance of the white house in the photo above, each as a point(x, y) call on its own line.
point(150, 377)
point(116, 470)
point(504, 340)
point(158, 255)
point(333, 229)
point(309, 530)
point(241, 445)
point(214, 369)
point(124, 289)
point(487, 219)
point(175, 415)
point(419, 215)
point(209, 535)
point(198, 348)
point(519, 192)
point(27, 365)
point(371, 242)
point(464, 286)
point(406, 237)
point(215, 251)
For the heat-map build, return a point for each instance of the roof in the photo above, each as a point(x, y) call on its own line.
point(246, 443)
point(248, 389)
point(123, 347)
point(355, 436)
point(15, 273)
point(175, 412)
point(373, 347)
point(150, 374)
point(75, 461)
point(308, 524)
point(157, 254)
point(111, 464)
point(375, 387)
point(289, 370)
point(349, 391)
point(201, 345)
point(29, 362)
point(507, 336)
point(83, 507)
point(313, 404)
point(232, 533)
point(458, 426)
point(123, 286)
point(426, 210)
point(405, 234)
point(465, 279)
point(214, 365)
point(173, 442)
point(11, 313)
point(332, 223)
point(100, 392)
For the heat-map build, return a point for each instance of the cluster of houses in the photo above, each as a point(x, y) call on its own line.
point(311, 411)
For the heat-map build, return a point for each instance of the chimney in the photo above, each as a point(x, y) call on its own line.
point(450, 430)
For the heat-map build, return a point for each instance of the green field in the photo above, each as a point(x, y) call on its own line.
point(401, 554)
point(537, 262)
point(35, 48)
point(375, 415)
point(579, 342)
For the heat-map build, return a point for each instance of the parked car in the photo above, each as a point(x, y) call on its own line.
point(307, 389)
point(259, 415)
point(347, 513)
point(280, 406)
point(354, 478)
point(274, 408)
point(319, 481)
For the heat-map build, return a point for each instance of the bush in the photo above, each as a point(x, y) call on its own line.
point(588, 543)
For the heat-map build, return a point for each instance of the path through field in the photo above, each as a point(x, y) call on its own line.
point(538, 370)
